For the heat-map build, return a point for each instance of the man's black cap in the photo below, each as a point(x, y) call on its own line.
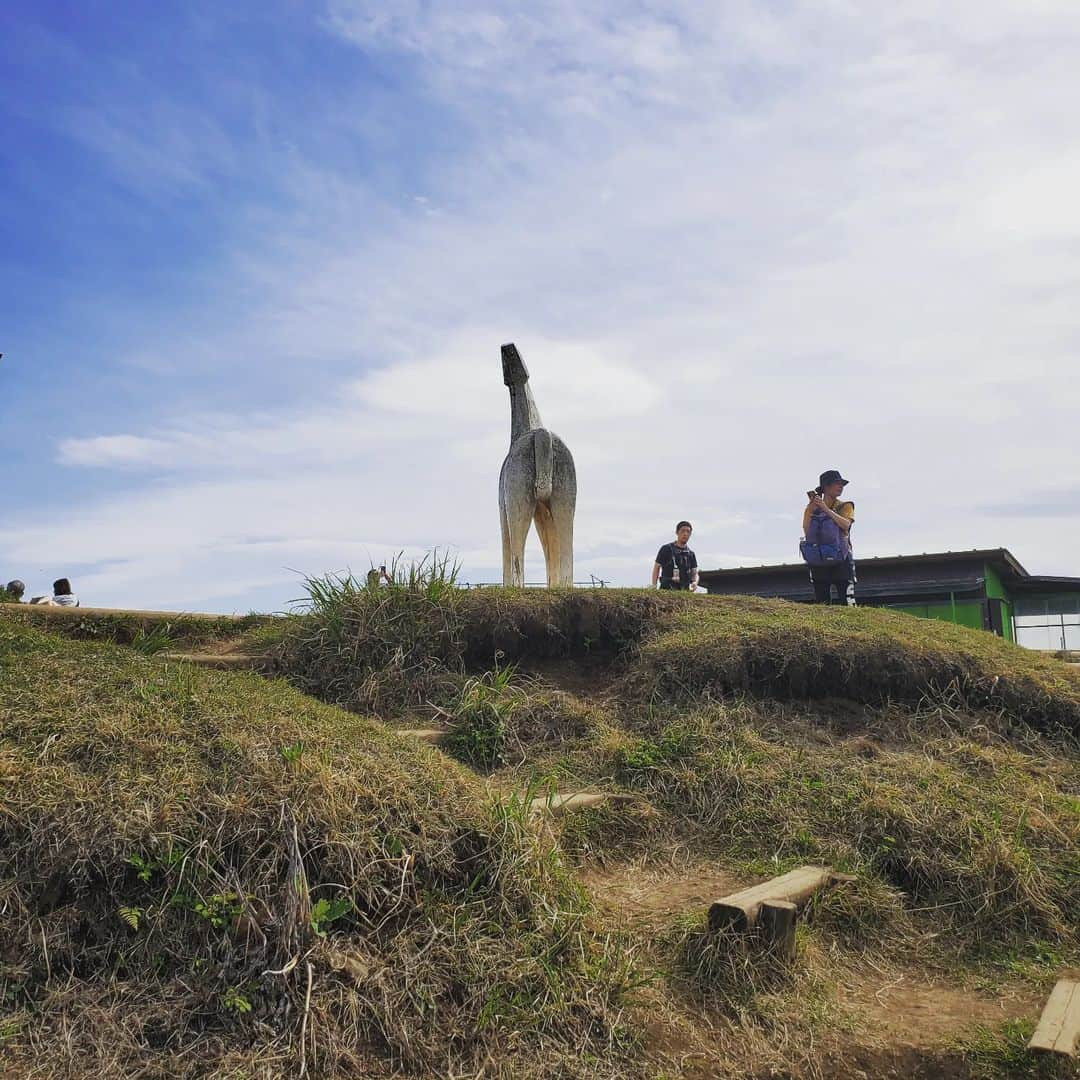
point(830, 476)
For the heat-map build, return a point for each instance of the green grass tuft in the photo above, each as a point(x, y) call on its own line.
point(482, 718)
point(370, 647)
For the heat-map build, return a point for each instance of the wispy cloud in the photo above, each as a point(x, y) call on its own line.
point(158, 149)
point(1038, 502)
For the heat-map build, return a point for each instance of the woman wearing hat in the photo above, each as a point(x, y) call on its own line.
point(827, 518)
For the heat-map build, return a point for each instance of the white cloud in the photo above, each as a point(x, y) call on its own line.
point(113, 450)
point(573, 380)
point(1039, 202)
point(735, 244)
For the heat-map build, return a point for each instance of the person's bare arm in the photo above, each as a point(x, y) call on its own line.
point(819, 504)
point(655, 573)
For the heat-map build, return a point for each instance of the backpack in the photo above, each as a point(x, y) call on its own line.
point(825, 542)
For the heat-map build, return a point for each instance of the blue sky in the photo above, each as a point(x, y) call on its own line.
point(258, 261)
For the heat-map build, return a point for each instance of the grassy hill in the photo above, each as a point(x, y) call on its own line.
point(207, 873)
point(218, 873)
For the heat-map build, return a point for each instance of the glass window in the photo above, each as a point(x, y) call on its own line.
point(1048, 631)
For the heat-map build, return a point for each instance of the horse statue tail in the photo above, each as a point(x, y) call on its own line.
point(543, 453)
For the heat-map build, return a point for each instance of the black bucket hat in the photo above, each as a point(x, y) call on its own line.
point(830, 476)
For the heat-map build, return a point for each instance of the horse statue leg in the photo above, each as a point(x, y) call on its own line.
point(516, 506)
point(555, 520)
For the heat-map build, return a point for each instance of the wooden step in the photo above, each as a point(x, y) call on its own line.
point(741, 910)
point(433, 736)
point(777, 919)
point(559, 804)
point(218, 661)
point(1059, 1025)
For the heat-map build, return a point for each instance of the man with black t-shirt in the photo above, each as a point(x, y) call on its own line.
point(676, 565)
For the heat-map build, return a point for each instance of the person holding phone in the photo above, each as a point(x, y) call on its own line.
point(827, 520)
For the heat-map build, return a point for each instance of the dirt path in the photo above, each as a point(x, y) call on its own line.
point(918, 1009)
point(648, 897)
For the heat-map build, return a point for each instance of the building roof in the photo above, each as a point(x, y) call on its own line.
point(899, 576)
point(1001, 559)
point(1046, 583)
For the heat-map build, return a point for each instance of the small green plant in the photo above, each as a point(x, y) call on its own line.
point(147, 866)
point(218, 909)
point(483, 715)
point(291, 754)
point(144, 867)
point(10, 1029)
point(672, 744)
point(324, 912)
point(131, 916)
point(236, 1001)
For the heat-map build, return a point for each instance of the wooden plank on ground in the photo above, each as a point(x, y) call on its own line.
point(434, 736)
point(219, 661)
point(556, 805)
point(777, 919)
point(1059, 1025)
point(740, 910)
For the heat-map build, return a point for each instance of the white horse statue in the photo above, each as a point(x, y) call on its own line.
point(537, 483)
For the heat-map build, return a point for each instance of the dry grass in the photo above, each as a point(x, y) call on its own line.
point(392, 649)
point(208, 874)
point(152, 881)
point(1001, 1051)
point(961, 823)
point(126, 628)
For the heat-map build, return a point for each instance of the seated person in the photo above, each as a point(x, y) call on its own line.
point(62, 595)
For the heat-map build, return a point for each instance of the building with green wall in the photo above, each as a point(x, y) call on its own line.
point(984, 589)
